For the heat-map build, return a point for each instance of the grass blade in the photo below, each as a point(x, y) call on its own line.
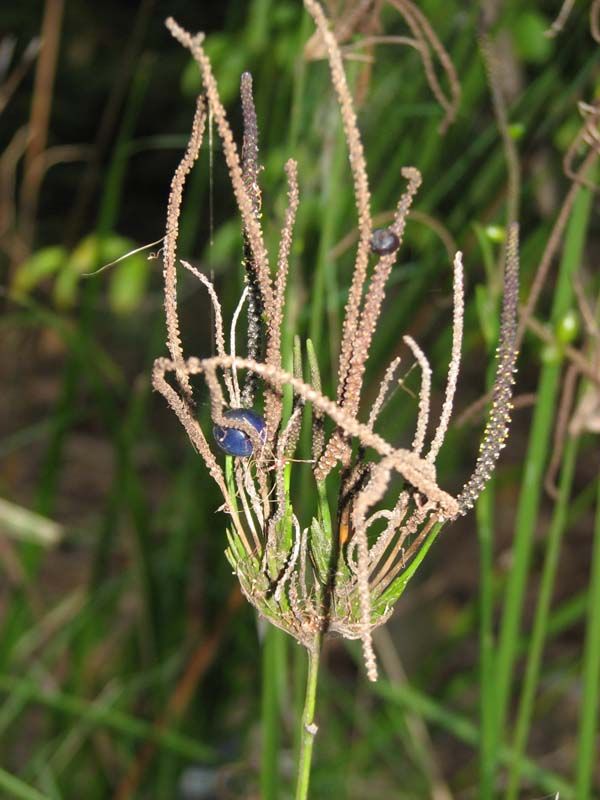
point(587, 752)
point(535, 463)
point(16, 787)
point(540, 625)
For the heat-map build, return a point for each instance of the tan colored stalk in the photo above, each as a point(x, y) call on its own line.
point(424, 395)
point(426, 38)
point(244, 202)
point(170, 242)
point(417, 471)
point(496, 429)
point(361, 187)
point(218, 322)
point(452, 379)
point(383, 390)
point(273, 400)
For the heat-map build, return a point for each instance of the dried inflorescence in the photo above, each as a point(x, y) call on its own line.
point(335, 572)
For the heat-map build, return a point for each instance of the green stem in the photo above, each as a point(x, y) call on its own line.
point(587, 752)
point(534, 467)
point(487, 749)
point(540, 625)
point(16, 788)
point(309, 729)
point(273, 671)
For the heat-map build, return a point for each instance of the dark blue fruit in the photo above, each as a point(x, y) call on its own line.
point(235, 442)
point(384, 241)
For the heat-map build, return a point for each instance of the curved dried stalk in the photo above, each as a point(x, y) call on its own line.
point(244, 201)
point(375, 296)
point(424, 395)
point(273, 400)
point(360, 344)
point(427, 38)
point(588, 134)
point(361, 189)
point(368, 41)
point(383, 390)
point(564, 13)
point(396, 519)
point(170, 245)
point(452, 380)
point(561, 18)
point(218, 322)
point(239, 399)
point(418, 472)
point(425, 41)
point(496, 429)
point(345, 26)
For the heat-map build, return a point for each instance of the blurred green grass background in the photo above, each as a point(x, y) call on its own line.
point(129, 666)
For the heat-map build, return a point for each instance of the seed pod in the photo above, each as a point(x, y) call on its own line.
point(236, 442)
point(384, 241)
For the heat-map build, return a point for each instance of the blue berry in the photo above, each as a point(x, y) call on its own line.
point(384, 241)
point(235, 442)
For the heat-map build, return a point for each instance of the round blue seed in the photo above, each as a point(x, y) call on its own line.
point(236, 442)
point(384, 241)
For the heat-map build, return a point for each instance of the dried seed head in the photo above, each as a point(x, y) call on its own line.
point(308, 579)
point(496, 429)
point(250, 171)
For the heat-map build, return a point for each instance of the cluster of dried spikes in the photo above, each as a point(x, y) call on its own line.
point(315, 579)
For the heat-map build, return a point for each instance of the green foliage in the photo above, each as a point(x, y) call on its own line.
point(127, 283)
point(529, 33)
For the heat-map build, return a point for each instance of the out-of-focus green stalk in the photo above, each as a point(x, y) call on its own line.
point(16, 788)
point(484, 510)
point(273, 669)
point(103, 715)
point(487, 702)
point(535, 464)
point(466, 731)
point(309, 730)
point(587, 748)
point(540, 623)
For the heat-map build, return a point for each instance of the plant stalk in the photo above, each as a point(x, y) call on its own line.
point(309, 729)
point(274, 666)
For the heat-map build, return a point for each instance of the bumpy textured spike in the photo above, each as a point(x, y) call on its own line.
point(250, 171)
point(452, 379)
point(424, 395)
point(170, 245)
point(496, 429)
point(268, 549)
point(273, 400)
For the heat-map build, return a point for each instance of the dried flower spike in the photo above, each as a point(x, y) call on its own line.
point(310, 576)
